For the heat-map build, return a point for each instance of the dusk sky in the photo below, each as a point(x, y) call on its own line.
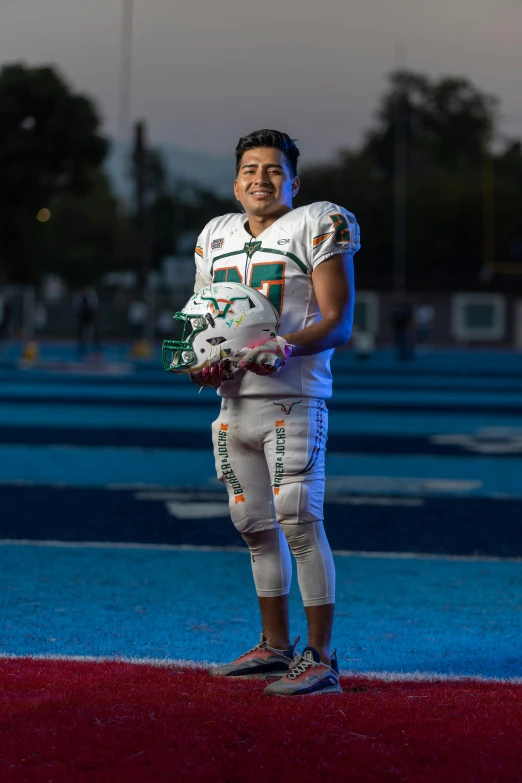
point(207, 72)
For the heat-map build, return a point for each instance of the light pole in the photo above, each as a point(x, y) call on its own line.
point(399, 195)
point(400, 174)
point(488, 228)
point(125, 86)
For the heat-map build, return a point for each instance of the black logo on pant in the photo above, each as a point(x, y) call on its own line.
point(287, 408)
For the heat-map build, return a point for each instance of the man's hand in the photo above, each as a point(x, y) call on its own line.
point(265, 358)
point(213, 375)
point(209, 376)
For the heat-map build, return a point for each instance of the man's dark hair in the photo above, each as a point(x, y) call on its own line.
point(268, 138)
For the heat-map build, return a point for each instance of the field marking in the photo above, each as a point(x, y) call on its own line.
point(385, 676)
point(244, 550)
point(203, 510)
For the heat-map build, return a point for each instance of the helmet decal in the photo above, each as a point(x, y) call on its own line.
point(217, 312)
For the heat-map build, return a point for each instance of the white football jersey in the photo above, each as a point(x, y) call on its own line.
point(279, 262)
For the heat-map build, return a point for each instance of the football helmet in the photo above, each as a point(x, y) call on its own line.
point(217, 321)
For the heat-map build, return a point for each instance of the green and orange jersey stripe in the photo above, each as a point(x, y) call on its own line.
point(199, 251)
point(316, 241)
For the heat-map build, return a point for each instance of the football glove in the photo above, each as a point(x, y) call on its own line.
point(212, 375)
point(208, 376)
point(264, 358)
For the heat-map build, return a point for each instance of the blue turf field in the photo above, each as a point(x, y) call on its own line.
point(393, 614)
point(424, 457)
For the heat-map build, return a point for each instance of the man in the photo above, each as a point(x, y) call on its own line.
point(6, 317)
point(85, 305)
point(424, 316)
point(402, 318)
point(273, 419)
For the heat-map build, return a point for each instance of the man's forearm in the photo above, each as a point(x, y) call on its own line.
point(322, 336)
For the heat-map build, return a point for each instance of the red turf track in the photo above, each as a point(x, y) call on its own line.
point(99, 722)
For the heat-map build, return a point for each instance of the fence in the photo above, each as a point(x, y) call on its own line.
point(126, 312)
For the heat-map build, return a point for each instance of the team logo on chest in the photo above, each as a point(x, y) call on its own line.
point(217, 244)
point(251, 247)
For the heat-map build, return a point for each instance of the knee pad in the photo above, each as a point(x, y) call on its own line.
point(300, 502)
point(315, 566)
point(253, 513)
point(271, 562)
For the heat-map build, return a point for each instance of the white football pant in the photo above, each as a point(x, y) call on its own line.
point(270, 454)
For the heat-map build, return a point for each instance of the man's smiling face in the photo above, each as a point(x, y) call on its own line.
point(265, 184)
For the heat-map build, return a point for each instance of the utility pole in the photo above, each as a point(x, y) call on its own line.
point(143, 227)
point(143, 238)
point(123, 131)
point(488, 228)
point(400, 163)
point(125, 86)
point(400, 173)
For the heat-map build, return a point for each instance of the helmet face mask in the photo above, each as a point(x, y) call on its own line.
point(217, 321)
point(182, 350)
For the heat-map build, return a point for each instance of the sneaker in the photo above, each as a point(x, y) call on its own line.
point(307, 675)
point(259, 662)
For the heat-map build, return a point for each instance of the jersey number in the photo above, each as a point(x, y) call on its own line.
point(269, 278)
point(342, 229)
point(229, 275)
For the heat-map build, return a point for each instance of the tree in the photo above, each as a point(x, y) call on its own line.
point(175, 206)
point(49, 146)
point(79, 243)
point(182, 208)
point(460, 186)
point(446, 123)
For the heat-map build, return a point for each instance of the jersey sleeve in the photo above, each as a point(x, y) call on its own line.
point(333, 231)
point(201, 257)
point(205, 245)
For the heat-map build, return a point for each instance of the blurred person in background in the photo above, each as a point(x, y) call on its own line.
point(424, 317)
point(85, 305)
point(363, 343)
point(273, 421)
point(6, 317)
point(137, 318)
point(164, 322)
point(402, 323)
point(39, 316)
